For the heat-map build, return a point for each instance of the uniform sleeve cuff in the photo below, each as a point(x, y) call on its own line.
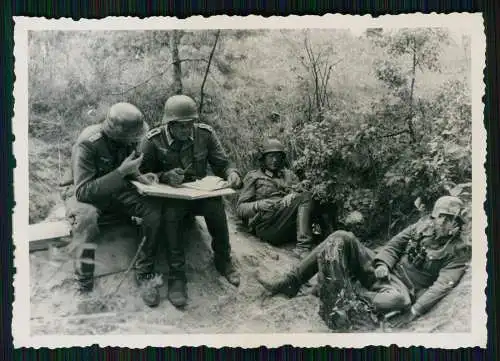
point(231, 170)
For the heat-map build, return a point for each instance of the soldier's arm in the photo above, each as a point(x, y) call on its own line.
point(149, 161)
point(448, 278)
point(89, 188)
point(217, 157)
point(393, 250)
point(246, 201)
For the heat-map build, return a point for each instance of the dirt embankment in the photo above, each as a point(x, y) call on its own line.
point(214, 305)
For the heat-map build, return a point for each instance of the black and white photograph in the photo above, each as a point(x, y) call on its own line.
point(250, 181)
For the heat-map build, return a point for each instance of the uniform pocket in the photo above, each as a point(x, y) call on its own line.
point(168, 160)
point(264, 188)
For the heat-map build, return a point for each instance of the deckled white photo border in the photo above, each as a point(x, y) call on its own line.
point(470, 23)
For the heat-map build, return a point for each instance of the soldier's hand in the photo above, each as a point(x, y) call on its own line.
point(381, 271)
point(131, 164)
point(287, 200)
point(174, 177)
point(234, 180)
point(266, 205)
point(148, 178)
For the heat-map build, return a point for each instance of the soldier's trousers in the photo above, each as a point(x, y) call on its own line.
point(85, 232)
point(150, 209)
point(288, 223)
point(352, 260)
point(128, 203)
point(176, 212)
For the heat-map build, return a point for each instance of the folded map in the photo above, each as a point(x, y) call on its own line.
point(189, 191)
point(209, 183)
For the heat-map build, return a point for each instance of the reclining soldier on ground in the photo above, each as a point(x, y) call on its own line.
point(177, 152)
point(274, 211)
point(410, 274)
point(104, 160)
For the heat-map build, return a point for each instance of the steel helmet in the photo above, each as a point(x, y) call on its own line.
point(125, 122)
point(448, 205)
point(179, 108)
point(272, 146)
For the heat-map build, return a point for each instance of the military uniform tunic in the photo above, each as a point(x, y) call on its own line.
point(278, 225)
point(428, 267)
point(423, 269)
point(163, 153)
point(98, 182)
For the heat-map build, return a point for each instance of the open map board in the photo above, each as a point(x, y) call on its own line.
point(183, 192)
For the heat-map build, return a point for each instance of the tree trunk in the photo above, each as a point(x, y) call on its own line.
point(411, 130)
point(207, 70)
point(177, 73)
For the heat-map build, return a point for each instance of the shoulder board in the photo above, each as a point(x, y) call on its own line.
point(95, 137)
point(153, 132)
point(205, 126)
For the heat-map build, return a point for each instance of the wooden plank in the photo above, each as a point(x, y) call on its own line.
point(42, 245)
point(49, 230)
point(41, 235)
point(166, 191)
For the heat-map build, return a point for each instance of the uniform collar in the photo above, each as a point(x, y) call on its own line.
point(270, 174)
point(171, 140)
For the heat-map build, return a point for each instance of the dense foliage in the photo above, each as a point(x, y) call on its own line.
point(373, 121)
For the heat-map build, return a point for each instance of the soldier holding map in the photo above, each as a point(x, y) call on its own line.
point(178, 152)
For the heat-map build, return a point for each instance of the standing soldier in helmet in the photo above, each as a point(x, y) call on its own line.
point(178, 152)
point(104, 160)
point(410, 274)
point(272, 208)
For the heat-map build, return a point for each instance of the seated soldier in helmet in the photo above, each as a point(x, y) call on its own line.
point(412, 272)
point(178, 152)
point(272, 208)
point(104, 159)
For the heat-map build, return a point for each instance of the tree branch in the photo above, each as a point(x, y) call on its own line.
point(393, 134)
point(217, 35)
point(154, 76)
point(412, 87)
point(177, 73)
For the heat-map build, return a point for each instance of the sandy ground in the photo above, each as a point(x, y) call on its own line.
point(214, 305)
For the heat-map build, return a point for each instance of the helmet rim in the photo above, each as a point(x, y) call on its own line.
point(115, 125)
point(442, 206)
point(179, 108)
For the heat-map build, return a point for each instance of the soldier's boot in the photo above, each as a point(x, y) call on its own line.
point(287, 284)
point(304, 229)
point(228, 269)
point(177, 288)
point(290, 283)
point(84, 269)
point(177, 292)
point(216, 220)
point(148, 288)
